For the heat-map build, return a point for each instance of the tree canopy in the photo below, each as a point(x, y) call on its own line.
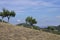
point(31, 21)
point(7, 13)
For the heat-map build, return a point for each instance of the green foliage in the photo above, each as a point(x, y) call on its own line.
point(24, 25)
point(51, 28)
point(7, 13)
point(2, 15)
point(58, 28)
point(36, 27)
point(31, 21)
point(29, 26)
point(10, 14)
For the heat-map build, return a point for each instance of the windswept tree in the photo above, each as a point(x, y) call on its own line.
point(10, 14)
point(31, 21)
point(7, 13)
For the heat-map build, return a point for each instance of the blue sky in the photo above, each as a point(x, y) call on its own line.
point(47, 12)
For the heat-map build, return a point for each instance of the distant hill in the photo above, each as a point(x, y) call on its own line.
point(52, 29)
point(12, 32)
point(58, 27)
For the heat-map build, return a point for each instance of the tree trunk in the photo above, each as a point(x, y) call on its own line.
point(2, 19)
point(8, 19)
point(31, 25)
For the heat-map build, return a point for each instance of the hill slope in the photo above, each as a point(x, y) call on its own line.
point(10, 32)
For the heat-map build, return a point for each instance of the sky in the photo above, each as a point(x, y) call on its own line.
point(46, 12)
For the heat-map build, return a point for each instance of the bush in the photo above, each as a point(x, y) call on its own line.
point(51, 28)
point(36, 27)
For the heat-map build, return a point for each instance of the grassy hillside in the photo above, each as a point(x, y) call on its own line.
point(10, 32)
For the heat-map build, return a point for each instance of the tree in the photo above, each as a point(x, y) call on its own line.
point(31, 21)
point(10, 14)
point(7, 13)
point(2, 15)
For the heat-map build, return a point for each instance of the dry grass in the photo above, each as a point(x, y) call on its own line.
point(10, 32)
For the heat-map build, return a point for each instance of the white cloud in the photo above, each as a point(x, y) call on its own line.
point(18, 20)
point(22, 5)
point(27, 3)
point(57, 16)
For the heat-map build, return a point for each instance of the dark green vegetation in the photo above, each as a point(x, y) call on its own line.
point(31, 21)
point(29, 26)
point(52, 29)
point(7, 13)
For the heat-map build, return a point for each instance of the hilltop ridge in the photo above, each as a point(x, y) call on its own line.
point(12, 32)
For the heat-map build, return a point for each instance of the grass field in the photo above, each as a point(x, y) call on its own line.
point(12, 32)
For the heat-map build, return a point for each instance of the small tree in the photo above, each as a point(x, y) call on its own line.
point(10, 14)
point(31, 21)
point(2, 15)
point(7, 13)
